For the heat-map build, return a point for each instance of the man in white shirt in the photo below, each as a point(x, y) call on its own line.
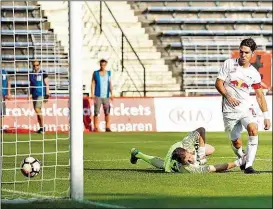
point(234, 81)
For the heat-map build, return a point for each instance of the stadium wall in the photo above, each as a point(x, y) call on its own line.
point(166, 114)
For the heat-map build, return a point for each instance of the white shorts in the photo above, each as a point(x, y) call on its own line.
point(234, 123)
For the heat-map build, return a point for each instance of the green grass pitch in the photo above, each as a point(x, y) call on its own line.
point(111, 181)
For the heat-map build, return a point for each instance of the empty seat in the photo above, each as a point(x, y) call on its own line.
point(26, 83)
point(23, 57)
point(215, 32)
point(29, 8)
point(213, 20)
point(31, 44)
point(23, 19)
point(24, 32)
point(207, 9)
point(27, 70)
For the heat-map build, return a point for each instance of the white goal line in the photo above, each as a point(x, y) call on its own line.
point(49, 198)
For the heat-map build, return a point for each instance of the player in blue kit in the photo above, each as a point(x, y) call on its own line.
point(102, 93)
point(39, 90)
point(6, 86)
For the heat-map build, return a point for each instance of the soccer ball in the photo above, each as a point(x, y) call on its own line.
point(30, 167)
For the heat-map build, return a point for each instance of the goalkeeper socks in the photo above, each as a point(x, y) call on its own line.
point(238, 152)
point(251, 150)
point(152, 160)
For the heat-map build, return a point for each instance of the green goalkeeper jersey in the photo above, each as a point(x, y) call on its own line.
point(191, 144)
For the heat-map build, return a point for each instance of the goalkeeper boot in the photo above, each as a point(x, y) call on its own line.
point(134, 152)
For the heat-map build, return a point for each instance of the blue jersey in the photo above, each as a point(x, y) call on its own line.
point(37, 83)
point(4, 83)
point(102, 84)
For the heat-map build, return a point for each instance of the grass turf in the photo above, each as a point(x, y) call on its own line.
point(110, 178)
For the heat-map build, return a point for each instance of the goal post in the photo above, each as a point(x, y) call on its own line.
point(76, 101)
point(59, 149)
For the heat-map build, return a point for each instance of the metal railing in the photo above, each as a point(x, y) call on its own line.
point(125, 50)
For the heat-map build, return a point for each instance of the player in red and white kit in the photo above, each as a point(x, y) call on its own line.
point(234, 81)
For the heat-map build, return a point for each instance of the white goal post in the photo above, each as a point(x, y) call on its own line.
point(76, 102)
point(14, 185)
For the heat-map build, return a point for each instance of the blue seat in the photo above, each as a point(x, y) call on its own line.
point(202, 57)
point(207, 9)
point(23, 57)
point(31, 44)
point(8, 7)
point(23, 19)
point(23, 32)
point(215, 32)
point(27, 70)
point(213, 20)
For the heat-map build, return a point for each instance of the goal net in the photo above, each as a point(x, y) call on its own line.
point(27, 36)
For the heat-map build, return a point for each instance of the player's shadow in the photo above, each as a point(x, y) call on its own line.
point(125, 170)
point(238, 171)
point(156, 171)
point(265, 171)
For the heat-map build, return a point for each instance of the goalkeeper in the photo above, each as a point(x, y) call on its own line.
point(187, 156)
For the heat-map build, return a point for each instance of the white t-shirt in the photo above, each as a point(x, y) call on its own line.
point(238, 81)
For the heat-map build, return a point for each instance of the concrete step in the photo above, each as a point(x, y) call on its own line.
point(135, 70)
point(149, 81)
point(152, 74)
point(114, 5)
point(128, 55)
point(146, 62)
point(58, 5)
point(102, 41)
point(114, 30)
point(154, 94)
point(151, 64)
point(127, 48)
point(153, 87)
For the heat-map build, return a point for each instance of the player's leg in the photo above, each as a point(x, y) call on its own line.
point(234, 129)
point(106, 108)
point(152, 160)
point(227, 166)
point(37, 103)
point(209, 149)
point(252, 128)
point(97, 105)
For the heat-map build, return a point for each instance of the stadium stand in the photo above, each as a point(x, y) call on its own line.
point(195, 37)
point(179, 44)
point(26, 35)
